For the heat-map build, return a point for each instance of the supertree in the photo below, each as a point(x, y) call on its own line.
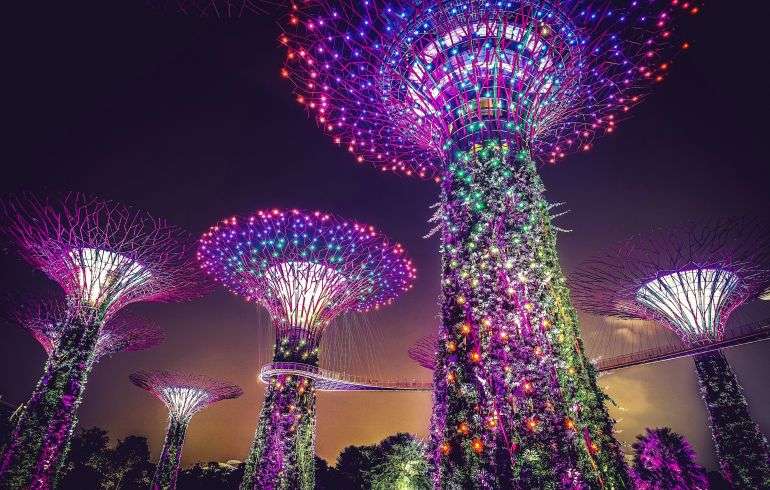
point(305, 268)
point(104, 256)
point(690, 280)
point(46, 317)
point(184, 395)
point(474, 93)
point(221, 9)
point(665, 460)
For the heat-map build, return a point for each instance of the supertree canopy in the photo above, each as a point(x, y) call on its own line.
point(690, 280)
point(104, 256)
point(665, 460)
point(474, 93)
point(305, 268)
point(45, 318)
point(184, 395)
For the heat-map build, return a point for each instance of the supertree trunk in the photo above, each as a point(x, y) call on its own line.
point(282, 456)
point(743, 452)
point(37, 449)
point(171, 455)
point(516, 400)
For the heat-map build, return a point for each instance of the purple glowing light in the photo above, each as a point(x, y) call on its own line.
point(184, 394)
point(690, 279)
point(403, 84)
point(305, 268)
point(103, 254)
point(46, 318)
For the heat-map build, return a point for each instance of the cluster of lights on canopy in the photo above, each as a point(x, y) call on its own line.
point(402, 83)
point(305, 267)
point(184, 394)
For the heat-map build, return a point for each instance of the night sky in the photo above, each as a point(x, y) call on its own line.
point(190, 120)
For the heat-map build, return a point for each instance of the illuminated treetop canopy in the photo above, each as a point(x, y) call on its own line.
point(305, 267)
point(404, 83)
point(103, 254)
point(223, 9)
point(184, 394)
point(46, 318)
point(689, 279)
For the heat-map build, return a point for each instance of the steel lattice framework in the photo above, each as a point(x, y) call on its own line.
point(305, 268)
point(403, 84)
point(103, 254)
point(184, 394)
point(689, 279)
point(46, 318)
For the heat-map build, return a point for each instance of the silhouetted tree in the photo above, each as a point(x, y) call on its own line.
point(664, 460)
point(129, 464)
point(88, 459)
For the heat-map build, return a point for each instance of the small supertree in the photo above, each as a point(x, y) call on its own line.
point(665, 460)
point(305, 268)
point(222, 9)
point(690, 280)
point(184, 395)
point(475, 93)
point(104, 256)
point(45, 318)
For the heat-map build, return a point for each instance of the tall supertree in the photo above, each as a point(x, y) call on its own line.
point(184, 395)
point(690, 280)
point(665, 460)
point(104, 256)
point(476, 93)
point(305, 268)
point(45, 319)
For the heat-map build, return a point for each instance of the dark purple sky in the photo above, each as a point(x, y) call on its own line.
point(190, 120)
